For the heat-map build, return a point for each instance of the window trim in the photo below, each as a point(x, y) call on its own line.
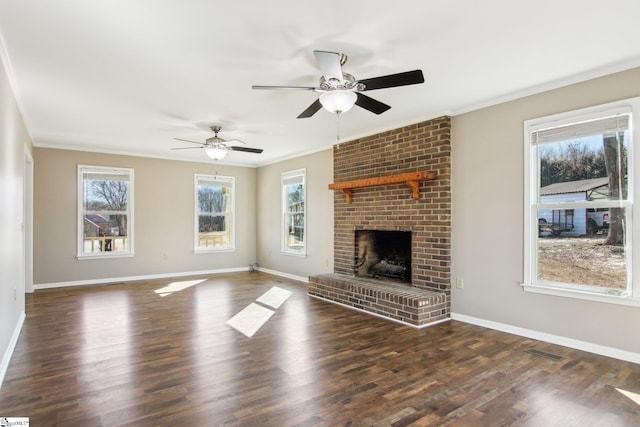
point(531, 183)
point(80, 255)
point(232, 213)
point(284, 176)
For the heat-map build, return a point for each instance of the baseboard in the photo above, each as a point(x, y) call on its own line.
point(281, 274)
point(6, 357)
point(111, 280)
point(602, 350)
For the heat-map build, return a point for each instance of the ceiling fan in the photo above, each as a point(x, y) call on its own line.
point(339, 91)
point(218, 148)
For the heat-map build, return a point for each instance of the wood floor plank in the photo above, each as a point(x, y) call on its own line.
point(156, 353)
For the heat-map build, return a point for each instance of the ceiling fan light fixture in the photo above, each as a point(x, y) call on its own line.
point(216, 153)
point(338, 101)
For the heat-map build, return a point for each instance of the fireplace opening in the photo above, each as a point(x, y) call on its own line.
point(384, 255)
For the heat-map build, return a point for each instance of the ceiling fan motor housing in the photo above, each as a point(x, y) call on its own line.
point(348, 83)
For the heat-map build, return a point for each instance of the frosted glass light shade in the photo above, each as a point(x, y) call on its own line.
point(338, 101)
point(216, 153)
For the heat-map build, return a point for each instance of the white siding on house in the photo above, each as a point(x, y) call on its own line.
point(579, 215)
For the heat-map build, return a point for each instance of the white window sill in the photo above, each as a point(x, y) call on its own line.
point(295, 254)
point(213, 251)
point(583, 295)
point(109, 256)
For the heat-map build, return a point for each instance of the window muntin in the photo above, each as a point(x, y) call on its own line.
point(293, 212)
point(105, 212)
point(214, 207)
point(578, 202)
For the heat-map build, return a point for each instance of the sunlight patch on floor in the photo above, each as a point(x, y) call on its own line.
point(177, 287)
point(631, 395)
point(274, 297)
point(250, 319)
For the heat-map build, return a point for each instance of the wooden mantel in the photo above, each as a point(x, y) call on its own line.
point(412, 179)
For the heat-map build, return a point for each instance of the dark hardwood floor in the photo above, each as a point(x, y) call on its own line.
point(125, 354)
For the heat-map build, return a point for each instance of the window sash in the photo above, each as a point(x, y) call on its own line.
point(622, 144)
point(619, 120)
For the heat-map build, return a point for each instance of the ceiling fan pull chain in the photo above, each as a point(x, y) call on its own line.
point(338, 130)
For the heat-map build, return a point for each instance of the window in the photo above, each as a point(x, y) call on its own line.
point(105, 212)
point(214, 213)
point(293, 212)
point(579, 192)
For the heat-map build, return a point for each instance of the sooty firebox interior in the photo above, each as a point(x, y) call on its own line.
point(384, 255)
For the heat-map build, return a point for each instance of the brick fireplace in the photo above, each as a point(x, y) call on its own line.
point(421, 147)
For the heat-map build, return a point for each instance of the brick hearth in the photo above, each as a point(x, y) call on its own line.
point(424, 147)
point(396, 301)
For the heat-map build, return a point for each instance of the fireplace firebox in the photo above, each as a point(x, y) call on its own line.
point(384, 255)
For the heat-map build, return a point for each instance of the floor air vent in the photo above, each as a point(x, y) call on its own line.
point(544, 354)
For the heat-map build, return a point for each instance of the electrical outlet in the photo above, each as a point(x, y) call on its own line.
point(460, 283)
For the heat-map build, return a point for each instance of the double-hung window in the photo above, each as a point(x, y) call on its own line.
point(293, 212)
point(214, 209)
point(579, 194)
point(105, 212)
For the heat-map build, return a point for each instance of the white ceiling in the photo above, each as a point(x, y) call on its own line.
point(128, 76)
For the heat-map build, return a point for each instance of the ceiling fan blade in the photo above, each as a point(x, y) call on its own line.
point(186, 140)
point(311, 110)
point(309, 88)
point(329, 63)
point(393, 80)
point(247, 149)
point(185, 148)
point(371, 104)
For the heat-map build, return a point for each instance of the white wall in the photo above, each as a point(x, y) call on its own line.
point(319, 239)
point(13, 140)
point(487, 232)
point(163, 219)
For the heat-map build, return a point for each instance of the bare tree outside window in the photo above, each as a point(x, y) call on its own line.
point(110, 196)
point(615, 162)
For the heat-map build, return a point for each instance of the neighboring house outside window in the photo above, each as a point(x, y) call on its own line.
point(214, 213)
point(105, 212)
point(293, 212)
point(579, 192)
